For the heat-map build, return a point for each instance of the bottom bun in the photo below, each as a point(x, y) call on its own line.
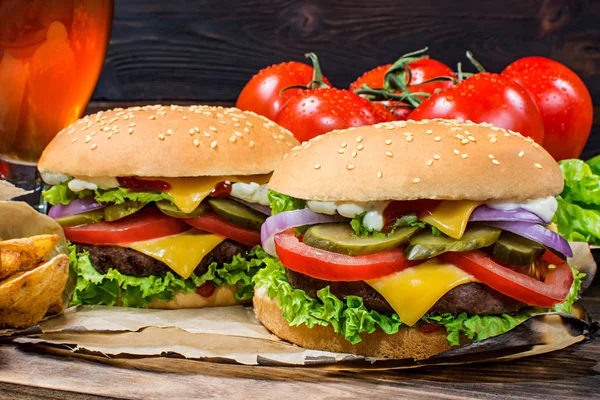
point(407, 343)
point(223, 296)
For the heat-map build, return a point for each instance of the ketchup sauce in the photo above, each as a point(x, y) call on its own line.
point(222, 189)
point(141, 185)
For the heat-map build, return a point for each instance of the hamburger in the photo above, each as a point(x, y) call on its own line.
point(163, 204)
point(406, 239)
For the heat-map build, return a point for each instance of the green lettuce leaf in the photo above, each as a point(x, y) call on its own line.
point(578, 214)
point(350, 318)
point(61, 194)
point(115, 288)
point(281, 202)
point(402, 222)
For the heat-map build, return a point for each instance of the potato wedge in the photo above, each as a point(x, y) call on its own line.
point(25, 297)
point(33, 249)
point(10, 262)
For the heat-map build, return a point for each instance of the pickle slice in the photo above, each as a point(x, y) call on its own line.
point(90, 217)
point(425, 245)
point(516, 250)
point(171, 210)
point(338, 238)
point(237, 213)
point(118, 211)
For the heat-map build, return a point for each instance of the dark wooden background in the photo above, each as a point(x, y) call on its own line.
point(205, 51)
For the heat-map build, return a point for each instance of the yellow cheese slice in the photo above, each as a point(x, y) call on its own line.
point(451, 217)
point(412, 292)
point(188, 193)
point(182, 252)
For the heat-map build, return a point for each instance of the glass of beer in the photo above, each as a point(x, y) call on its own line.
point(51, 55)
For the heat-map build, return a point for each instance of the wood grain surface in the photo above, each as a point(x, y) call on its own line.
point(29, 372)
point(206, 50)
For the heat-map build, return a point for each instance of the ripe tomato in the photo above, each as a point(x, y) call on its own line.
point(486, 97)
point(323, 264)
point(422, 70)
point(317, 111)
point(146, 224)
point(261, 93)
point(563, 100)
point(553, 290)
point(212, 223)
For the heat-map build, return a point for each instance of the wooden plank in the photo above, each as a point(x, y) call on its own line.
point(207, 50)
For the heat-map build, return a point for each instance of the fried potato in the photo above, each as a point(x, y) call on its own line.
point(33, 249)
point(25, 297)
point(10, 262)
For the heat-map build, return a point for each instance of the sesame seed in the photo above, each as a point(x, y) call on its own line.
point(88, 139)
point(130, 131)
point(247, 130)
point(192, 132)
point(490, 155)
point(152, 117)
point(436, 156)
point(464, 155)
point(248, 123)
point(93, 133)
point(236, 125)
point(251, 143)
point(234, 119)
point(429, 131)
point(207, 134)
point(429, 163)
point(196, 142)
point(388, 153)
point(344, 144)
point(495, 161)
point(521, 153)
point(360, 147)
point(456, 151)
point(359, 139)
point(294, 155)
point(409, 138)
point(238, 133)
point(459, 136)
point(538, 165)
point(507, 134)
point(109, 135)
point(197, 129)
point(388, 142)
point(106, 129)
point(493, 139)
point(379, 174)
point(471, 138)
point(185, 117)
point(161, 136)
point(232, 139)
point(464, 141)
point(213, 144)
point(354, 154)
point(94, 145)
point(169, 132)
point(317, 166)
point(390, 127)
point(132, 124)
point(416, 180)
point(74, 140)
point(222, 121)
point(341, 151)
point(437, 138)
point(350, 166)
point(212, 128)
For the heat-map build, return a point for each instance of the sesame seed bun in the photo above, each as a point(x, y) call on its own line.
point(407, 343)
point(432, 159)
point(168, 141)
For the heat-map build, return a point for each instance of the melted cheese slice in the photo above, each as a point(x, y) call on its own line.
point(188, 193)
point(412, 292)
point(182, 252)
point(451, 216)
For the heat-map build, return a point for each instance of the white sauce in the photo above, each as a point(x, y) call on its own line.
point(54, 179)
point(543, 208)
point(78, 184)
point(373, 218)
point(251, 192)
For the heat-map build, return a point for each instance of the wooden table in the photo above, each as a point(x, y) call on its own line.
point(27, 373)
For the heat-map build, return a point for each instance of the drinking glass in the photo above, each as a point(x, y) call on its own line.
point(51, 55)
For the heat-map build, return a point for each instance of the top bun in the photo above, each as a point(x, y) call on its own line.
point(409, 160)
point(168, 141)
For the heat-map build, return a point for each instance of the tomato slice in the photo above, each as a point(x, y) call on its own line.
point(553, 290)
point(146, 224)
point(323, 264)
point(211, 222)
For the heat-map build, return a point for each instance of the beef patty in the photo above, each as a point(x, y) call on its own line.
point(131, 262)
point(472, 298)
